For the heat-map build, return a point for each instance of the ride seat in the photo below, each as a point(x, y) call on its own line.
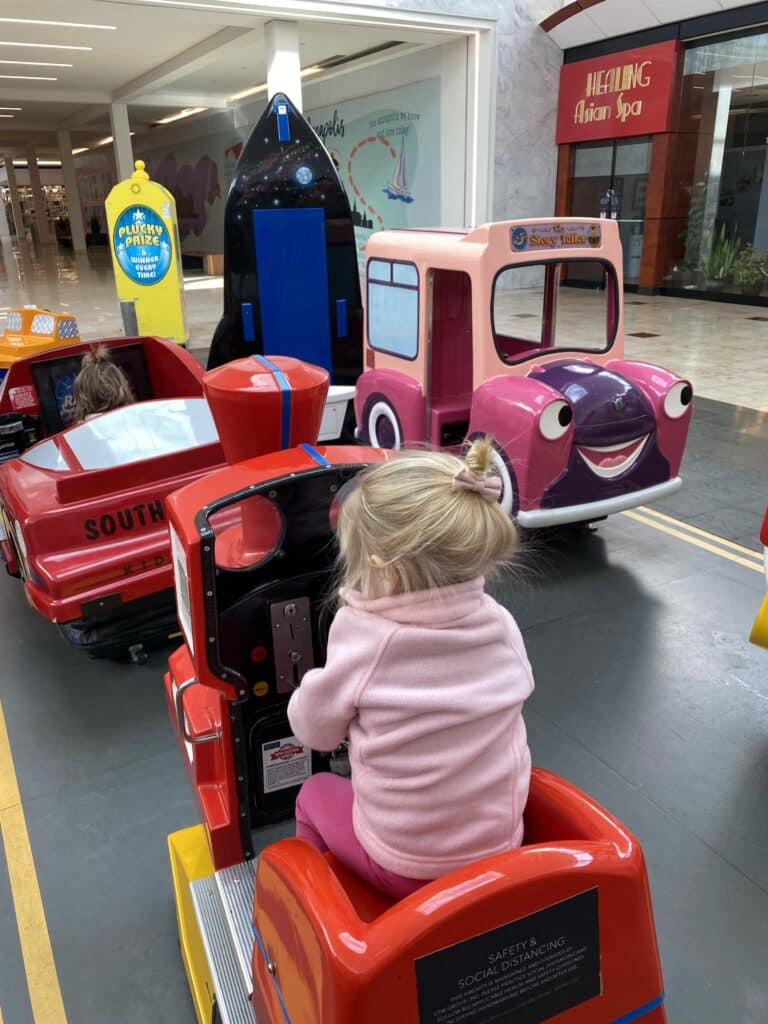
point(329, 948)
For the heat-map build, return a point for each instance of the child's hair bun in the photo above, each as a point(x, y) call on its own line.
point(98, 354)
point(478, 458)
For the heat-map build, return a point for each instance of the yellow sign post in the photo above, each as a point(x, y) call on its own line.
point(146, 256)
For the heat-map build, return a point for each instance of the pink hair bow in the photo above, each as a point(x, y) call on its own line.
point(489, 487)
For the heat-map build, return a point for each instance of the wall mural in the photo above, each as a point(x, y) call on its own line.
point(195, 189)
point(387, 149)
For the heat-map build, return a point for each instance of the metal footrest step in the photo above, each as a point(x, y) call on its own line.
point(221, 930)
point(235, 886)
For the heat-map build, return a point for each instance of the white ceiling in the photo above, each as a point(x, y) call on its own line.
point(162, 56)
point(617, 17)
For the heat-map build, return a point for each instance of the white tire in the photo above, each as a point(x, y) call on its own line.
point(379, 438)
point(507, 500)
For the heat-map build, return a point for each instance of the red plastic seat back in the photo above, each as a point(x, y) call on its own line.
point(561, 929)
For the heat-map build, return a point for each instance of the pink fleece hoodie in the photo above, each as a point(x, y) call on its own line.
point(429, 688)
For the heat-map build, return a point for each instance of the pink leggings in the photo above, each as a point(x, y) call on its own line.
point(324, 819)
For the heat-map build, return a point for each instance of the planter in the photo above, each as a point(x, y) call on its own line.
point(716, 284)
point(752, 289)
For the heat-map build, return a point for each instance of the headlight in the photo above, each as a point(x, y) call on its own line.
point(19, 545)
point(555, 420)
point(677, 399)
point(181, 581)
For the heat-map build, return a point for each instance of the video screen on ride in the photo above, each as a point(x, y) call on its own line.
point(565, 305)
point(55, 379)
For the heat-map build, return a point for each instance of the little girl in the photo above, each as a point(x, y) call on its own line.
point(100, 385)
point(426, 675)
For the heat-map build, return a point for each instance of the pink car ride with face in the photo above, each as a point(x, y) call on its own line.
point(515, 329)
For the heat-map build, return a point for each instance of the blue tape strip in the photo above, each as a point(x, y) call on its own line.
point(249, 327)
point(285, 399)
point(279, 994)
point(640, 1011)
point(342, 329)
point(283, 125)
point(315, 454)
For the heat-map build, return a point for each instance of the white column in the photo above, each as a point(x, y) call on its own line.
point(121, 135)
point(38, 197)
point(74, 206)
point(281, 40)
point(18, 216)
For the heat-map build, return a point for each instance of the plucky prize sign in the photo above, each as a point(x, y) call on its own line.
point(144, 239)
point(618, 95)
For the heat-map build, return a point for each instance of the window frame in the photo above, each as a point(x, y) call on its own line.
point(392, 284)
point(540, 348)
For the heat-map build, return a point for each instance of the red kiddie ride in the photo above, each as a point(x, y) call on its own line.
point(560, 929)
point(82, 512)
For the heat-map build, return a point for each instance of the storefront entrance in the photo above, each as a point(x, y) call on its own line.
point(614, 170)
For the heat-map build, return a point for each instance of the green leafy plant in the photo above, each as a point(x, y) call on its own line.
point(723, 254)
point(750, 267)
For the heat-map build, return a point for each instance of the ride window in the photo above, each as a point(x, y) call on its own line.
point(568, 305)
point(393, 308)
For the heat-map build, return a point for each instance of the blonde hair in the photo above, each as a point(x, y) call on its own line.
point(100, 385)
point(405, 528)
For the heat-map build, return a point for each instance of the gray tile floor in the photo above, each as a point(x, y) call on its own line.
point(648, 696)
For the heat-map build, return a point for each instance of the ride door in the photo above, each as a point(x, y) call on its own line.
point(293, 284)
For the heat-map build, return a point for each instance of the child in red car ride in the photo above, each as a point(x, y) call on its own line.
point(426, 675)
point(100, 386)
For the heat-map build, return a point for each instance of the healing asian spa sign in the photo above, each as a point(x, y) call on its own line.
point(620, 94)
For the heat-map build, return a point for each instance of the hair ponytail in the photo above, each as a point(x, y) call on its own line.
point(408, 526)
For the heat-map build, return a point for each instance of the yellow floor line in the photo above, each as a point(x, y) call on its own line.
point(713, 537)
point(39, 966)
point(691, 539)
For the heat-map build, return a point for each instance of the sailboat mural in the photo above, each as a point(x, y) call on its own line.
point(398, 186)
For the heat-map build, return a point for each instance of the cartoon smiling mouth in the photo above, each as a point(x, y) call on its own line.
point(613, 459)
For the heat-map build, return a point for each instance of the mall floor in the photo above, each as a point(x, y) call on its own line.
point(648, 696)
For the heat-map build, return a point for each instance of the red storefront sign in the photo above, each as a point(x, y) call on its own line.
point(626, 93)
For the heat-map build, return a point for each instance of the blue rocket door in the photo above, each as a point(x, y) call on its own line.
point(292, 273)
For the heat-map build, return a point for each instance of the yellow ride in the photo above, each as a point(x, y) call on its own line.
point(30, 330)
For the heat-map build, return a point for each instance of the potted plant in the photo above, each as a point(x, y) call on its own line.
point(749, 270)
point(722, 256)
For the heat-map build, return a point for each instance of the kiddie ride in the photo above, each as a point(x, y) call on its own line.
point(516, 330)
point(759, 634)
point(561, 928)
point(82, 517)
point(30, 330)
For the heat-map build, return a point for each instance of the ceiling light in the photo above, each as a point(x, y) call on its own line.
point(311, 70)
point(35, 63)
point(44, 46)
point(55, 24)
point(10, 108)
point(30, 78)
point(106, 142)
point(187, 112)
point(6, 115)
point(83, 149)
point(246, 92)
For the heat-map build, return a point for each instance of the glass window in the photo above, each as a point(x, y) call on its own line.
point(142, 431)
point(393, 308)
point(568, 305)
point(721, 164)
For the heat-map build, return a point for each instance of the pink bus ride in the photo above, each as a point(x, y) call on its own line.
point(515, 329)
